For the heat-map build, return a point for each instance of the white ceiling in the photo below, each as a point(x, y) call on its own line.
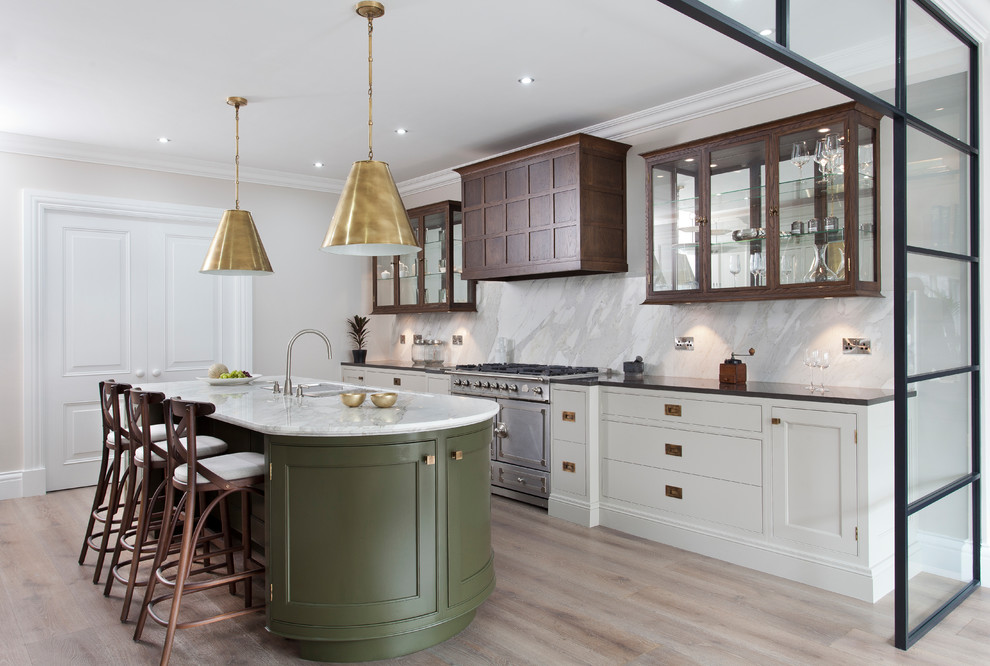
point(115, 75)
point(118, 74)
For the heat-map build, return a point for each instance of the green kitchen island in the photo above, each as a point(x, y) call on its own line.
point(377, 521)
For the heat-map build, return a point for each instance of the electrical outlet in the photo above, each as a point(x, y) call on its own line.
point(458, 339)
point(684, 344)
point(856, 346)
point(402, 339)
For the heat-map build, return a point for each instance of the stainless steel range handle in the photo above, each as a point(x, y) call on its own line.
point(500, 430)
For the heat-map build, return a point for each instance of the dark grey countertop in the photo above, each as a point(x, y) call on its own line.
point(394, 364)
point(842, 395)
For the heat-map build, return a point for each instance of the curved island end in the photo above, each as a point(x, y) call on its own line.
point(377, 521)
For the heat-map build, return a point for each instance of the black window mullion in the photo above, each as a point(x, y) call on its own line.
point(784, 23)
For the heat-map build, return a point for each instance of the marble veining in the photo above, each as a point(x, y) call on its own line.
point(254, 406)
point(600, 320)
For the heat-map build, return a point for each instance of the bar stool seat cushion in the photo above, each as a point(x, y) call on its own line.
point(157, 432)
point(232, 467)
point(205, 446)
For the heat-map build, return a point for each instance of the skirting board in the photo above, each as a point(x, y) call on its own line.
point(25, 483)
point(573, 511)
point(847, 579)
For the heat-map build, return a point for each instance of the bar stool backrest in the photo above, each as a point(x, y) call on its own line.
point(138, 404)
point(111, 393)
point(182, 425)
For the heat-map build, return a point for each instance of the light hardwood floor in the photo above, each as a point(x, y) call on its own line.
point(565, 595)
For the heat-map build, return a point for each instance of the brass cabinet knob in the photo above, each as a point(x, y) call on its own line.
point(456, 455)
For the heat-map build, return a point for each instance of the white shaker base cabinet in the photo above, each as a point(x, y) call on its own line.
point(417, 381)
point(797, 488)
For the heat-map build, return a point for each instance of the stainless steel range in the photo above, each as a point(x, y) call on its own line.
point(520, 466)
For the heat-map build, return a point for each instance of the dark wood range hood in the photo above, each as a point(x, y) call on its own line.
point(550, 210)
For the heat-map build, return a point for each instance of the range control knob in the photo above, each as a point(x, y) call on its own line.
point(477, 384)
point(504, 387)
point(513, 387)
point(487, 385)
point(538, 390)
point(457, 382)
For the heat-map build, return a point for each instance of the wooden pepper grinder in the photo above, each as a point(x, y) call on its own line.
point(733, 371)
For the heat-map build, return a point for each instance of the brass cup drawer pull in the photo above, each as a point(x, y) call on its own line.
point(568, 466)
point(676, 450)
point(672, 410)
point(457, 455)
point(775, 421)
point(570, 417)
point(674, 492)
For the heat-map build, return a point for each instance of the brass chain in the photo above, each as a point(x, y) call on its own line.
point(371, 154)
point(237, 156)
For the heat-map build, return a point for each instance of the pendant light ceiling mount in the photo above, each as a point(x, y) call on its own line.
point(236, 248)
point(370, 218)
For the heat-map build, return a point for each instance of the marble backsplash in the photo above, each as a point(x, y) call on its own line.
point(599, 321)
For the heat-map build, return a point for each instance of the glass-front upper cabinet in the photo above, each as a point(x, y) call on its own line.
point(783, 210)
point(429, 281)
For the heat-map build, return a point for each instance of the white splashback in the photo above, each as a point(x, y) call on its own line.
point(599, 320)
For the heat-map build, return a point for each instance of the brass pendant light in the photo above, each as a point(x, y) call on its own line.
point(370, 219)
point(236, 248)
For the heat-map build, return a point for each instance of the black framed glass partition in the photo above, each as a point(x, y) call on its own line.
point(910, 61)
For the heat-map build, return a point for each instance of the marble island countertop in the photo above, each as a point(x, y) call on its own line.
point(254, 406)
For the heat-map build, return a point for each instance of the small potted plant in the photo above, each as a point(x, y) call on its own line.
point(358, 334)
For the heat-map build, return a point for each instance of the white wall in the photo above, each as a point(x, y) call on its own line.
point(310, 289)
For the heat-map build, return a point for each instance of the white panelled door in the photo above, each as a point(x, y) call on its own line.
point(121, 298)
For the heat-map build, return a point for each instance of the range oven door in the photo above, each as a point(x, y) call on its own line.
point(522, 434)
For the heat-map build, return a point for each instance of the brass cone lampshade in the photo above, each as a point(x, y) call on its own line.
point(236, 248)
point(370, 219)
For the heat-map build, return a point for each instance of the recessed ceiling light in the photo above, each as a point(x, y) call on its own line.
point(401, 130)
point(823, 130)
point(163, 139)
point(941, 108)
point(318, 165)
point(690, 159)
point(713, 165)
point(766, 32)
point(659, 175)
point(526, 80)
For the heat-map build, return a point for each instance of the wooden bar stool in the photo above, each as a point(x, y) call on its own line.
point(107, 500)
point(138, 533)
point(220, 477)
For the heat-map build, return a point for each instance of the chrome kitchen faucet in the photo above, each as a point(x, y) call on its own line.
point(287, 387)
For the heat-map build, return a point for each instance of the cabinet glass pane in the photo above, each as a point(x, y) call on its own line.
point(434, 258)
point(938, 316)
point(459, 284)
point(941, 548)
point(384, 283)
point(853, 39)
point(865, 227)
point(738, 233)
point(812, 205)
point(675, 225)
point(938, 195)
point(406, 267)
point(937, 74)
point(939, 441)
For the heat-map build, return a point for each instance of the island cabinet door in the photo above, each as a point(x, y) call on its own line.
point(352, 535)
point(470, 565)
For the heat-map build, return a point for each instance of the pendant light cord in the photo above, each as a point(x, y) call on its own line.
point(237, 157)
point(371, 154)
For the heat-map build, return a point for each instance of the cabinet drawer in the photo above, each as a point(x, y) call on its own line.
point(719, 456)
point(725, 502)
point(569, 470)
point(394, 380)
point(522, 479)
point(350, 375)
point(674, 410)
point(569, 415)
